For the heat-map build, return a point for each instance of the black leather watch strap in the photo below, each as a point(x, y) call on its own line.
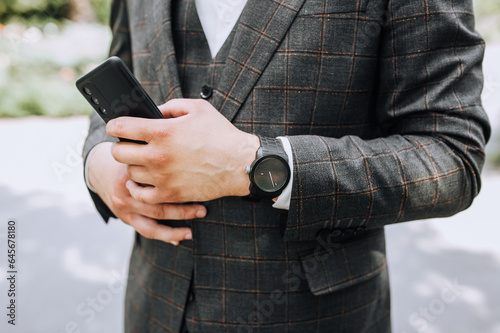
point(271, 146)
point(268, 147)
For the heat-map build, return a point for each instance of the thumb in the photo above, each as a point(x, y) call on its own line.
point(176, 108)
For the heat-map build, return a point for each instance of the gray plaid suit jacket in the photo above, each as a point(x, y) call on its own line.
point(381, 103)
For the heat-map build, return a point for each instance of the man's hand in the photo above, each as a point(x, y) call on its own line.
point(109, 177)
point(194, 155)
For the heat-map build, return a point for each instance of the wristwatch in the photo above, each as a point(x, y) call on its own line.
point(269, 172)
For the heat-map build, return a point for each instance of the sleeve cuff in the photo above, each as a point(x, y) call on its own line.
point(283, 201)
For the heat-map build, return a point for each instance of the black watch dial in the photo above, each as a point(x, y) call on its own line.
point(271, 174)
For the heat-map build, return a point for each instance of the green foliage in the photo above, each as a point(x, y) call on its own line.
point(35, 10)
point(39, 12)
point(102, 10)
point(486, 7)
point(487, 15)
point(39, 67)
point(45, 92)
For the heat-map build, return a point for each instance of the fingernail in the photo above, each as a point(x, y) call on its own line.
point(188, 236)
point(175, 243)
point(200, 213)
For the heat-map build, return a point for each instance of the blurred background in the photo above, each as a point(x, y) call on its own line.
point(72, 268)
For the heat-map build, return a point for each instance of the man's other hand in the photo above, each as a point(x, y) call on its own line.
point(108, 177)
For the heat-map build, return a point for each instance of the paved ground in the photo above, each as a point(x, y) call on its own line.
point(71, 266)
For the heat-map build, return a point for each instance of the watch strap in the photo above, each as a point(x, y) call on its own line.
point(268, 147)
point(272, 146)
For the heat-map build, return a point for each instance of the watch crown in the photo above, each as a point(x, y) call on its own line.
point(247, 170)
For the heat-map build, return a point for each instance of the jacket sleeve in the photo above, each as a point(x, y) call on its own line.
point(427, 161)
point(121, 47)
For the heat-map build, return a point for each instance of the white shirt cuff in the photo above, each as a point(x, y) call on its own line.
point(86, 166)
point(283, 201)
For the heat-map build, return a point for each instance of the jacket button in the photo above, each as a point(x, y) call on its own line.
point(336, 233)
point(359, 230)
point(323, 234)
point(206, 92)
point(348, 233)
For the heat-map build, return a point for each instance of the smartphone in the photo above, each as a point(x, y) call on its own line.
point(113, 91)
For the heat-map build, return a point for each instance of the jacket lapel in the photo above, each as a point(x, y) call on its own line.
point(162, 47)
point(260, 30)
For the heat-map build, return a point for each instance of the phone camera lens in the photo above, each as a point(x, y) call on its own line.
point(95, 100)
point(87, 91)
point(103, 110)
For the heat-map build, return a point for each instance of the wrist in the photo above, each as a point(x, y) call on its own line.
point(97, 164)
point(244, 156)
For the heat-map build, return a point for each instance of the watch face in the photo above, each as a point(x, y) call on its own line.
point(271, 174)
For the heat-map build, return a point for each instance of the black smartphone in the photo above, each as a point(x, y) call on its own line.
point(113, 91)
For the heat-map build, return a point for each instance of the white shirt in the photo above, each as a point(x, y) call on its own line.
point(218, 18)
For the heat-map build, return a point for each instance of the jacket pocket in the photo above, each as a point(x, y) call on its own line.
point(341, 265)
point(316, 7)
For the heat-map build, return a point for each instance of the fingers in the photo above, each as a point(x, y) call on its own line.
point(140, 175)
point(177, 108)
point(132, 128)
point(149, 194)
point(170, 211)
point(151, 229)
point(129, 153)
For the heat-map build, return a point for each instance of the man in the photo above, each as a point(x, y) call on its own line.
point(377, 108)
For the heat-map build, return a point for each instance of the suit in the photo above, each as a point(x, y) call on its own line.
point(381, 103)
